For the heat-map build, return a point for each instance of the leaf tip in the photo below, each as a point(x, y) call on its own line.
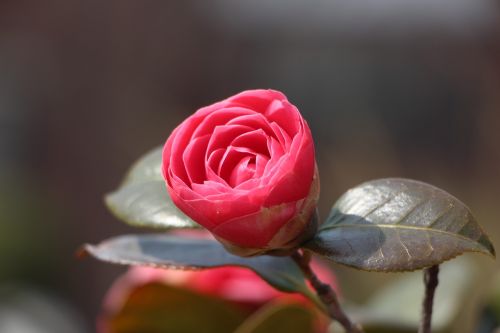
point(487, 245)
point(491, 251)
point(108, 200)
point(84, 251)
point(112, 205)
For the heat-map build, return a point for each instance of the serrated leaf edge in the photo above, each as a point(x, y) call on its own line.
point(94, 251)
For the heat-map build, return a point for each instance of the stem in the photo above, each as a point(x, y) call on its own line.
point(325, 293)
point(431, 281)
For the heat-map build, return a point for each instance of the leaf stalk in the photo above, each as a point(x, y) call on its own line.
point(325, 293)
point(431, 282)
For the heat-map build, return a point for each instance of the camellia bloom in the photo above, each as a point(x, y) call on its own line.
point(244, 168)
point(239, 286)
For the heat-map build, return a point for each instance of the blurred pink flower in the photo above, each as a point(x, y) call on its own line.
point(237, 285)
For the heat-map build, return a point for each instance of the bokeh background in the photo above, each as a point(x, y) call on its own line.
point(389, 88)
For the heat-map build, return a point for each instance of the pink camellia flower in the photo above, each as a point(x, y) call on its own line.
point(244, 168)
point(238, 286)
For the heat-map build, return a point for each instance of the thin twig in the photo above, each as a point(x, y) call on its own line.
point(326, 294)
point(431, 281)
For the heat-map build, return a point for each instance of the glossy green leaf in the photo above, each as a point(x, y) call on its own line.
point(398, 225)
point(158, 308)
point(147, 168)
point(142, 200)
point(169, 251)
point(147, 204)
point(290, 318)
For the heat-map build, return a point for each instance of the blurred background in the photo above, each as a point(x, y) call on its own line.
point(389, 88)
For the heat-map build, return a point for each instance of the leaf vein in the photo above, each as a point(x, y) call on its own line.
point(392, 226)
point(441, 215)
point(404, 246)
point(405, 216)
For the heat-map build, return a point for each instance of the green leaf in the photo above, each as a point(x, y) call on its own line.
point(147, 168)
point(290, 318)
point(169, 251)
point(157, 308)
point(147, 204)
point(143, 200)
point(398, 225)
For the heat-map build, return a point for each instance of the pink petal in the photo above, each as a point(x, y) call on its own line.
point(282, 136)
point(174, 149)
point(194, 159)
point(190, 210)
point(219, 117)
point(295, 177)
point(243, 171)
point(286, 115)
point(229, 162)
point(212, 165)
point(220, 211)
point(260, 164)
point(257, 229)
point(223, 135)
point(257, 100)
point(274, 148)
point(254, 121)
point(210, 187)
point(274, 164)
point(255, 140)
point(250, 185)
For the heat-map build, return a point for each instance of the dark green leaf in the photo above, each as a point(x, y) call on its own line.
point(290, 318)
point(142, 200)
point(169, 251)
point(398, 225)
point(158, 308)
point(147, 204)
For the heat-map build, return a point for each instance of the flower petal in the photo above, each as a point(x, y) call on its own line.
point(194, 159)
point(219, 117)
point(257, 99)
point(223, 135)
point(255, 141)
point(243, 171)
point(257, 229)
